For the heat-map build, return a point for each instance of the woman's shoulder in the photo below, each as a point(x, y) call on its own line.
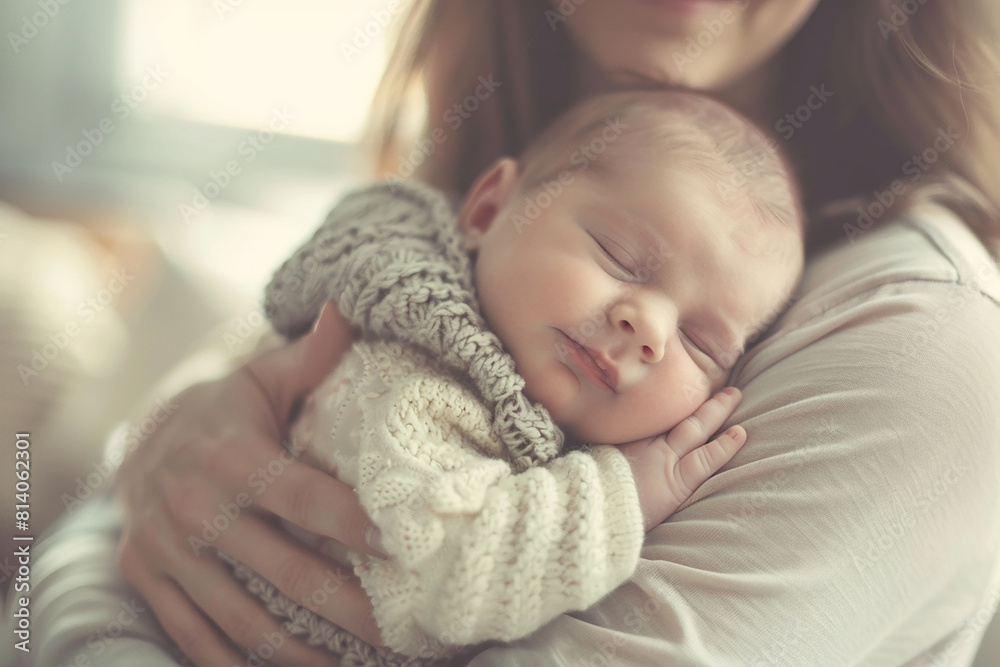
point(870, 411)
point(924, 271)
point(928, 244)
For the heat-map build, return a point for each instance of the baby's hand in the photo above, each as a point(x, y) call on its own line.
point(668, 468)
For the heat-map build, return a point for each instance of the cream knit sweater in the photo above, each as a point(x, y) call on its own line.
point(490, 534)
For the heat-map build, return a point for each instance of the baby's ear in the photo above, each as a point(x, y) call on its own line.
point(486, 199)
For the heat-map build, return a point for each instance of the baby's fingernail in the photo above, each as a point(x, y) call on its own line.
point(732, 391)
point(373, 537)
point(735, 433)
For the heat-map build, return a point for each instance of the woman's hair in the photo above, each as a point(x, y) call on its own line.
point(914, 113)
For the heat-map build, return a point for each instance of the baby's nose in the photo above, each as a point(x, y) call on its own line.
point(644, 329)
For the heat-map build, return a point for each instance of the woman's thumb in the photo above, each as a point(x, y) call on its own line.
point(290, 372)
point(320, 350)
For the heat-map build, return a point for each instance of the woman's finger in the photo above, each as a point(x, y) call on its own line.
point(309, 579)
point(279, 484)
point(304, 496)
point(321, 350)
point(210, 588)
point(288, 373)
point(197, 638)
point(706, 420)
point(209, 583)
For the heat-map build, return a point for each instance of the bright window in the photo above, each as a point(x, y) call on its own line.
point(233, 62)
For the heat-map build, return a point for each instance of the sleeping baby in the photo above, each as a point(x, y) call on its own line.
point(535, 379)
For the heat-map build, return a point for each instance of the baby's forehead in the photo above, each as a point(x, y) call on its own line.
point(769, 272)
point(672, 198)
point(746, 263)
point(733, 252)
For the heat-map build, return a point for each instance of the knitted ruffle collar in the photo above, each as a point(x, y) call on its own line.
point(391, 257)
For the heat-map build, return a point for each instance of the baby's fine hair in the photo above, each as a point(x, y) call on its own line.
point(607, 133)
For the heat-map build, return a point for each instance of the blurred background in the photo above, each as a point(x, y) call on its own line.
point(158, 160)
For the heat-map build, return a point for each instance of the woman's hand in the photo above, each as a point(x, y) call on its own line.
point(213, 475)
point(668, 468)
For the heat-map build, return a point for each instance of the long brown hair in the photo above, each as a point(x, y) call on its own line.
point(901, 81)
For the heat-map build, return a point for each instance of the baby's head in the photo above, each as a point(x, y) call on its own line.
point(630, 254)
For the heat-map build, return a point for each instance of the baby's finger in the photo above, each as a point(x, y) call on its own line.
point(706, 420)
point(697, 466)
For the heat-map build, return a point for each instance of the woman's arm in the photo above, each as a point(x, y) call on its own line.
point(222, 445)
point(211, 476)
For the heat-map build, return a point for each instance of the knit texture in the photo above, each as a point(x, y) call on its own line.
point(392, 258)
point(315, 630)
point(427, 419)
point(478, 552)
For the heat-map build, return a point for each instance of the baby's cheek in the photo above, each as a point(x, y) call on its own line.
point(677, 400)
point(549, 388)
point(697, 391)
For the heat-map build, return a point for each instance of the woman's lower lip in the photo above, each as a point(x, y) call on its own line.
point(686, 6)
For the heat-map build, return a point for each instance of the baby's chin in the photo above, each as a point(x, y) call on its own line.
point(569, 417)
point(560, 393)
point(599, 434)
point(564, 419)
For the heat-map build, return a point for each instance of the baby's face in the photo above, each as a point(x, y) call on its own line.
point(626, 301)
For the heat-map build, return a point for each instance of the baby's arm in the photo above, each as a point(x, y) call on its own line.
point(480, 553)
point(668, 468)
point(494, 556)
